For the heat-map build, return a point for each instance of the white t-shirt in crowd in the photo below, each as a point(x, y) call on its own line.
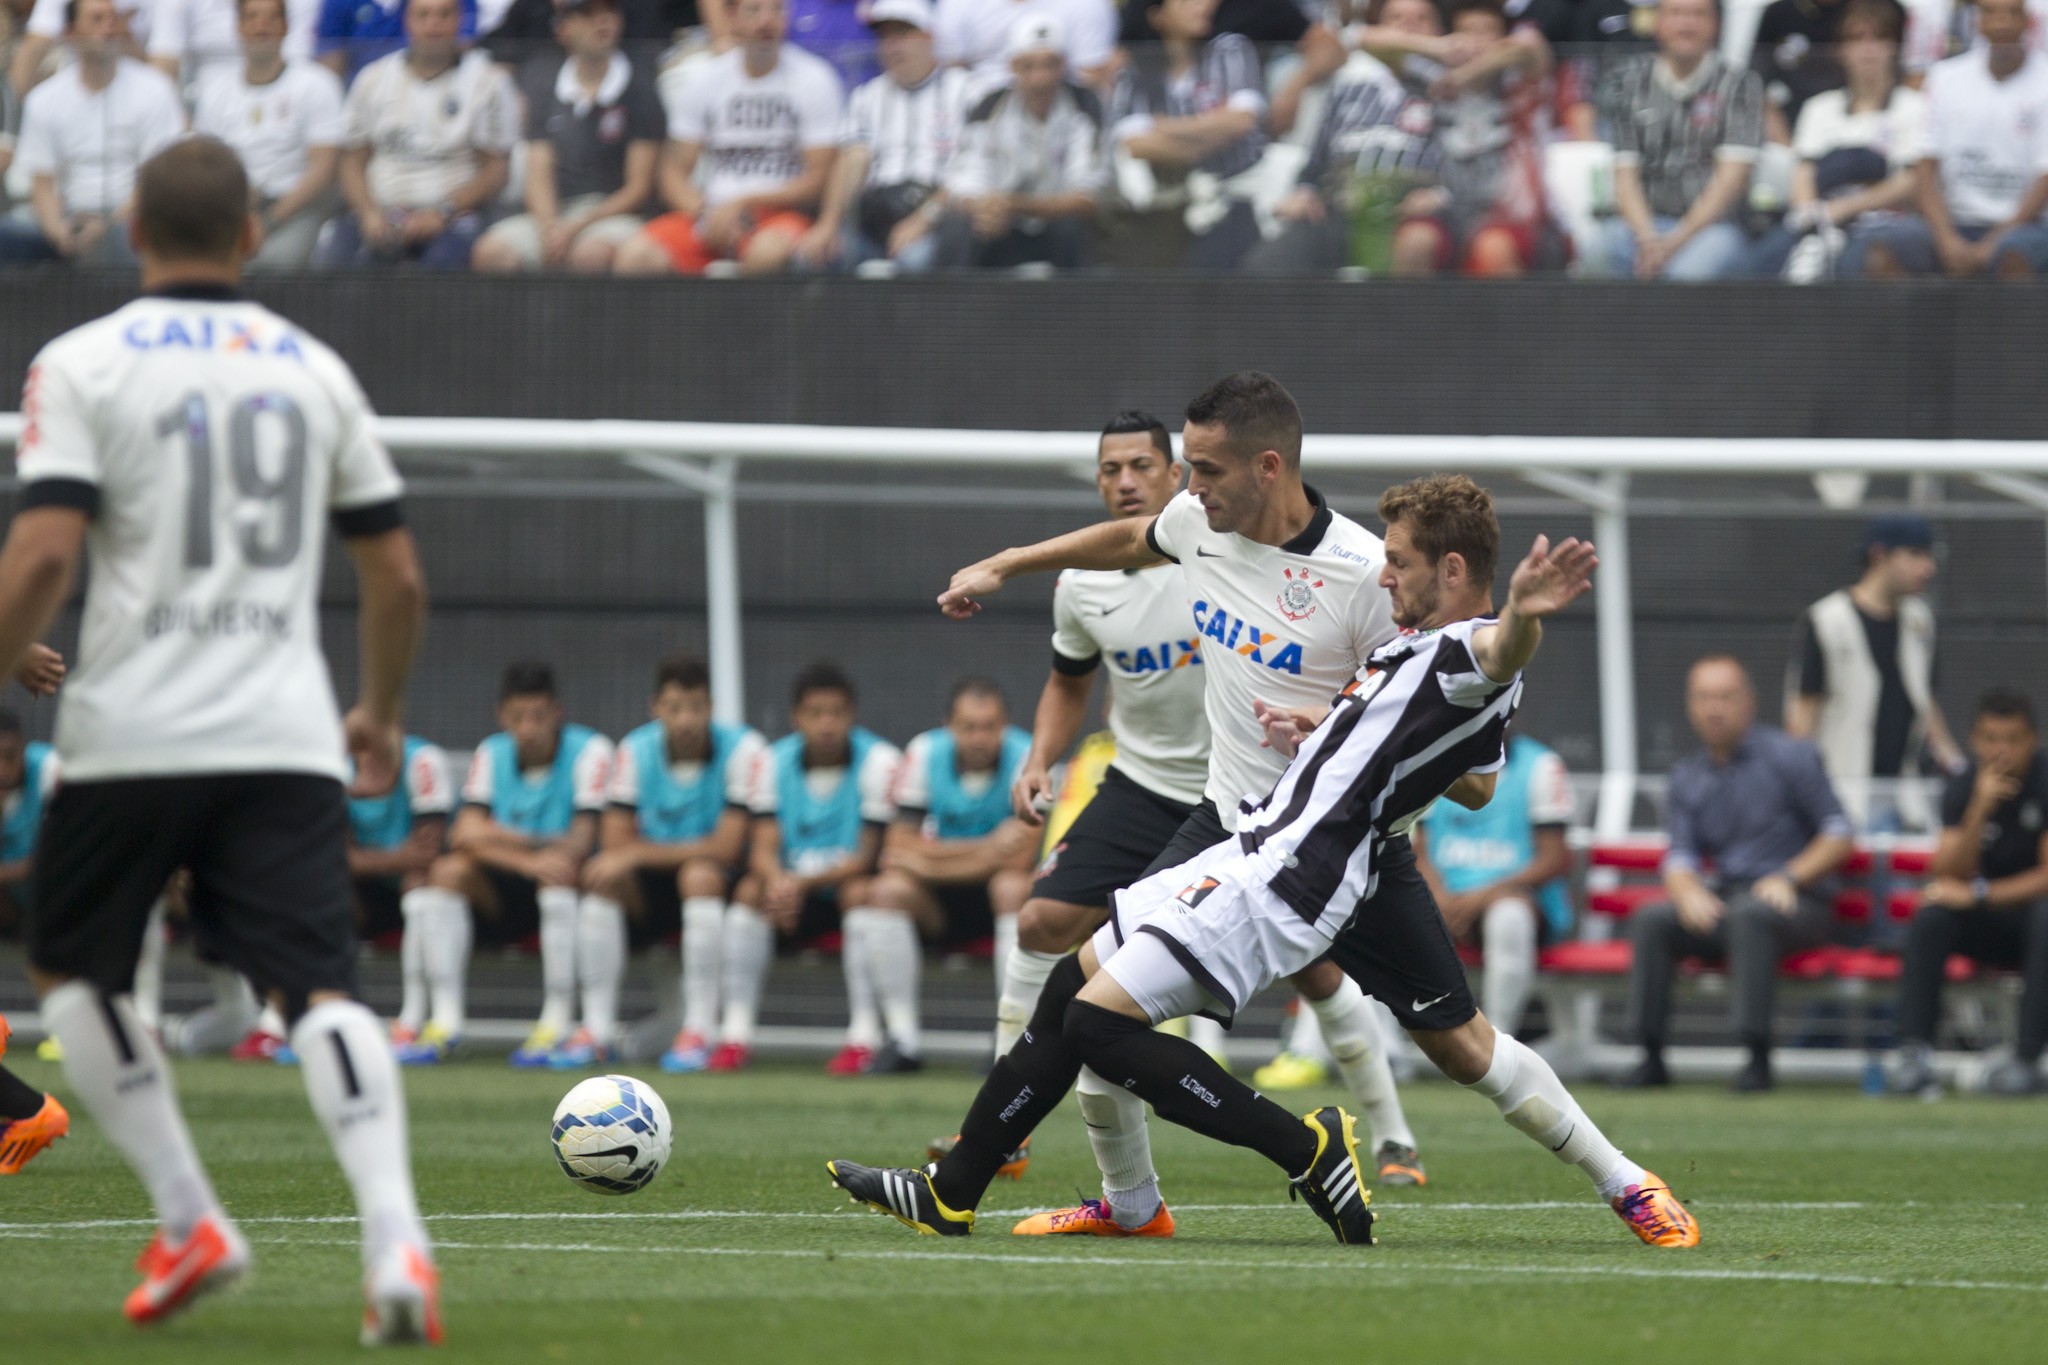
point(46, 20)
point(1939, 29)
point(427, 138)
point(1990, 136)
point(1289, 625)
point(976, 34)
point(271, 127)
point(911, 134)
point(205, 34)
point(1898, 131)
point(209, 440)
point(92, 142)
point(754, 130)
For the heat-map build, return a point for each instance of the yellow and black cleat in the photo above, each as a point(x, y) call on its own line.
point(904, 1194)
point(1333, 1185)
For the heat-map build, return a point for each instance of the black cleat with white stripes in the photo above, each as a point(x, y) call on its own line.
point(1333, 1185)
point(903, 1193)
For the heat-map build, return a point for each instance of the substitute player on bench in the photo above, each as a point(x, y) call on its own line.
point(393, 840)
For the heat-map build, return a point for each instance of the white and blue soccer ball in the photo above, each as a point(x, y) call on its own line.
point(612, 1134)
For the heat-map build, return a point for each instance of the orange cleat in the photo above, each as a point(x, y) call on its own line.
point(1654, 1214)
point(5, 1031)
point(1092, 1219)
point(851, 1060)
point(213, 1257)
point(402, 1300)
point(21, 1139)
point(1013, 1167)
point(1399, 1165)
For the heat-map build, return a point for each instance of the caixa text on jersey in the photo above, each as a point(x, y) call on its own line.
point(207, 620)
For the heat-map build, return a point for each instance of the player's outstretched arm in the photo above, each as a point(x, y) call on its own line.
point(1545, 582)
point(390, 619)
point(36, 567)
point(1117, 544)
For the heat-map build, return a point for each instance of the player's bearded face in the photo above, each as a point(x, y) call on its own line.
point(977, 724)
point(685, 714)
point(1414, 585)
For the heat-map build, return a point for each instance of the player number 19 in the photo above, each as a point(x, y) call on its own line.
point(268, 542)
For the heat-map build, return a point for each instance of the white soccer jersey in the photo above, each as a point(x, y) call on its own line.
point(430, 781)
point(208, 439)
point(739, 775)
point(1289, 625)
point(426, 137)
point(1136, 623)
point(1991, 136)
point(272, 127)
point(754, 131)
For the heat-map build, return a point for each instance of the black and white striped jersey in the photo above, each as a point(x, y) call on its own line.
point(1419, 715)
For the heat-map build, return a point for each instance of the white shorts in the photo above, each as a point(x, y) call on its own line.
point(1205, 936)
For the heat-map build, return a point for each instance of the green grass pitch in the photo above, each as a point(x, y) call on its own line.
point(1836, 1228)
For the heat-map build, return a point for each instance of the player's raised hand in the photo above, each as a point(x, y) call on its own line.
point(41, 671)
point(377, 748)
point(1284, 727)
point(1550, 579)
point(962, 598)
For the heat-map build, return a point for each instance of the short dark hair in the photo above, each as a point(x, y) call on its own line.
point(1255, 411)
point(822, 676)
point(10, 724)
point(1133, 420)
point(2006, 703)
point(1447, 513)
point(686, 671)
point(192, 201)
point(973, 686)
point(1496, 8)
point(1720, 656)
point(284, 10)
point(527, 679)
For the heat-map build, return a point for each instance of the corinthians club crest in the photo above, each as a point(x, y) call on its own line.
point(1297, 600)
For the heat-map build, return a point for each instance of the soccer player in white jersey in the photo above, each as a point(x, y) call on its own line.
point(198, 442)
point(1305, 876)
point(1286, 606)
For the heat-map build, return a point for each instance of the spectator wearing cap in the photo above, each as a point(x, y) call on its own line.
point(1024, 185)
point(1983, 177)
point(427, 148)
point(594, 126)
point(1687, 126)
point(1756, 836)
point(902, 129)
point(976, 34)
point(1862, 681)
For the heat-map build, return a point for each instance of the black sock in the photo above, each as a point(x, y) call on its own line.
point(1760, 1053)
point(1025, 1085)
point(18, 1099)
point(1187, 1086)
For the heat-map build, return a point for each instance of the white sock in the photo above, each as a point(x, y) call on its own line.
point(863, 1020)
point(412, 968)
point(601, 964)
point(895, 959)
point(444, 921)
point(1347, 1025)
point(353, 1084)
point(1023, 980)
point(119, 1074)
point(748, 948)
point(703, 947)
point(149, 969)
point(218, 1026)
point(1005, 949)
point(1533, 1101)
point(271, 1020)
point(1305, 1038)
point(1123, 1149)
point(557, 957)
point(1208, 1035)
point(1507, 935)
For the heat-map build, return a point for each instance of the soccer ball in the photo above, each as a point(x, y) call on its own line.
point(612, 1134)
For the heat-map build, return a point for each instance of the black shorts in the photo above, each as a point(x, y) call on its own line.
point(661, 914)
point(1202, 829)
point(1399, 951)
point(968, 914)
point(518, 916)
point(816, 917)
point(1110, 844)
point(378, 908)
point(268, 854)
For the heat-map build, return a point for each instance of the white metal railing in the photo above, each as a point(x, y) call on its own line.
point(1593, 471)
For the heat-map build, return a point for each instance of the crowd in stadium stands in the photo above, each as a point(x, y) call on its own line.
point(1861, 138)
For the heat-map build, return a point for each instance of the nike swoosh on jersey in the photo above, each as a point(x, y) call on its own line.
point(1420, 1005)
point(1200, 553)
point(1111, 609)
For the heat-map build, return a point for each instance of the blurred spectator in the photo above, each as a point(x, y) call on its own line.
point(32, 61)
point(1604, 32)
point(593, 135)
point(976, 34)
point(1794, 56)
point(190, 40)
point(1864, 683)
point(1756, 835)
point(764, 118)
point(1988, 898)
point(1269, 24)
point(526, 32)
point(836, 30)
point(1374, 148)
point(1983, 180)
point(13, 16)
point(1488, 215)
point(283, 118)
point(1498, 873)
point(429, 141)
point(84, 134)
point(1687, 126)
point(1193, 107)
point(1031, 163)
point(1939, 29)
point(28, 778)
point(1857, 148)
point(902, 128)
point(353, 33)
